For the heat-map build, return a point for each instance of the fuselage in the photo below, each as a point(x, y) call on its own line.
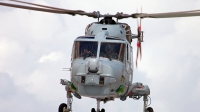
point(102, 65)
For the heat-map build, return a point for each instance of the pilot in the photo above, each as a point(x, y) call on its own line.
point(85, 52)
point(110, 52)
point(114, 55)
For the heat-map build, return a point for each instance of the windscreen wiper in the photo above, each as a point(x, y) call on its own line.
point(88, 54)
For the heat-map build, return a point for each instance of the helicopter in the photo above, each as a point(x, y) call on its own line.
point(104, 27)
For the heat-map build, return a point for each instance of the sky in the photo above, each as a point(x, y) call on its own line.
point(36, 46)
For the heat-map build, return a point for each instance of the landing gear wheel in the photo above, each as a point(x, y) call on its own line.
point(149, 109)
point(61, 107)
point(93, 110)
point(102, 110)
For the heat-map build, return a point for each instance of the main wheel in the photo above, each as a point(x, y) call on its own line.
point(149, 109)
point(102, 110)
point(61, 107)
point(93, 110)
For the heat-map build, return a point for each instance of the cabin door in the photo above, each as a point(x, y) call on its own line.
point(129, 63)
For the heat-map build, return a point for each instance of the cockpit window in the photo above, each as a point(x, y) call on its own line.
point(85, 49)
point(112, 51)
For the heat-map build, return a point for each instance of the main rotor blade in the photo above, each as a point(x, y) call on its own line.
point(97, 14)
point(53, 10)
point(168, 15)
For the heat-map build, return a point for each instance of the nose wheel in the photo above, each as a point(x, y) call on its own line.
point(98, 107)
point(93, 110)
point(150, 109)
point(102, 110)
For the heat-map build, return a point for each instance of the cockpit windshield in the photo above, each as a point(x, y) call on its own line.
point(85, 49)
point(112, 51)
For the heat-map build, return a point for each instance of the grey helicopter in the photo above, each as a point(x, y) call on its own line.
point(102, 58)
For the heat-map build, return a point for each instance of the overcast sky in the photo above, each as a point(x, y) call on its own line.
point(35, 46)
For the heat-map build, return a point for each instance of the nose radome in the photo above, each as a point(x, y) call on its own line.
point(93, 65)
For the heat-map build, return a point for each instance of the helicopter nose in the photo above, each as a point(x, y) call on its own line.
point(93, 65)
